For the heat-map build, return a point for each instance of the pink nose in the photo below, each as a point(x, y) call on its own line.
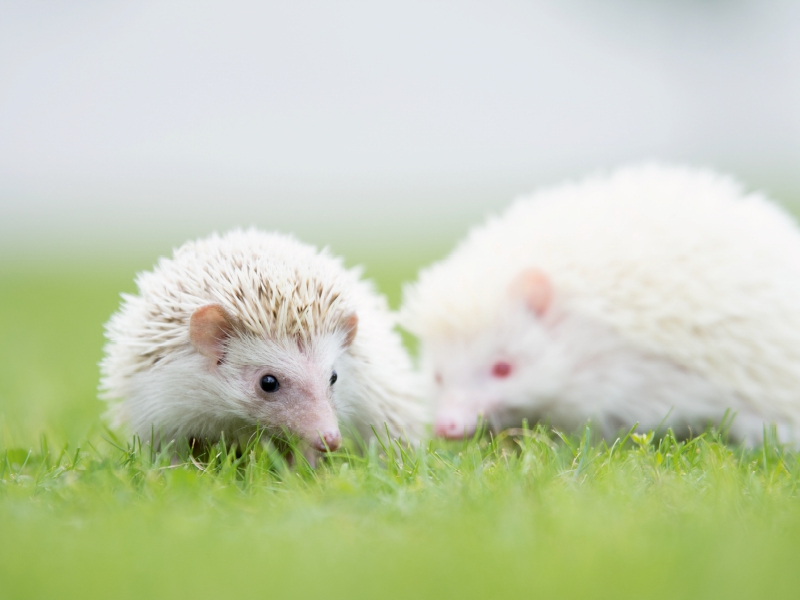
point(453, 426)
point(330, 439)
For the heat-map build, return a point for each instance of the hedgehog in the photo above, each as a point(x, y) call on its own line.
point(253, 331)
point(661, 295)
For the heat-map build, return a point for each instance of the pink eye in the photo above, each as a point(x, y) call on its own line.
point(501, 369)
point(438, 378)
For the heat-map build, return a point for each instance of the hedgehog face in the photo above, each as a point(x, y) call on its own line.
point(505, 373)
point(283, 384)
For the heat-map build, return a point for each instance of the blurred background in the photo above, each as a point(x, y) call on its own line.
point(127, 127)
point(381, 129)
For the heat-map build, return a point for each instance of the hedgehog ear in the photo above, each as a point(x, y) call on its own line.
point(209, 328)
point(534, 288)
point(350, 326)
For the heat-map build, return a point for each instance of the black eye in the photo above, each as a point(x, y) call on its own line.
point(269, 384)
point(334, 377)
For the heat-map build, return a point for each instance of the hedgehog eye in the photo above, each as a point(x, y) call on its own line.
point(334, 377)
point(501, 369)
point(269, 384)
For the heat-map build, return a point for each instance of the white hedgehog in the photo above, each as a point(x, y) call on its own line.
point(255, 330)
point(653, 294)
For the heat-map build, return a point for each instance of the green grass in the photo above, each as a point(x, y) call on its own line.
point(528, 515)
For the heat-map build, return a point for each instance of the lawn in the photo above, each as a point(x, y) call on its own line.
point(534, 514)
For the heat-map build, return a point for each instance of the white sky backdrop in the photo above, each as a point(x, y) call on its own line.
point(128, 127)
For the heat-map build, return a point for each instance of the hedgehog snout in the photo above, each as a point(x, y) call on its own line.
point(454, 424)
point(328, 440)
point(317, 421)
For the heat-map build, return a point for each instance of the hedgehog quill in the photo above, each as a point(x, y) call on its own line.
point(251, 331)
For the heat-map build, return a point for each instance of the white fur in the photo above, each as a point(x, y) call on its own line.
point(683, 292)
point(289, 300)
